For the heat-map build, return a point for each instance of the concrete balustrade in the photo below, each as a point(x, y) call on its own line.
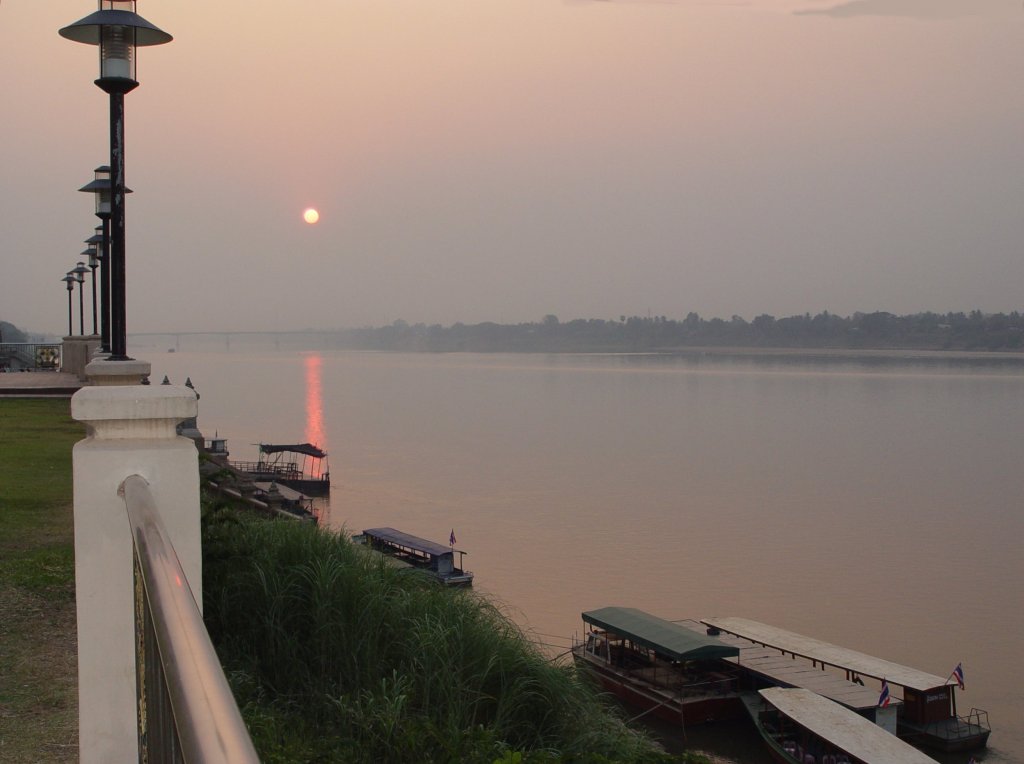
point(131, 430)
point(77, 352)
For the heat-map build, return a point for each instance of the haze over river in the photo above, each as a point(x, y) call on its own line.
point(874, 504)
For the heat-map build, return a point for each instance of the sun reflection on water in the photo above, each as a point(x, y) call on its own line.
point(315, 432)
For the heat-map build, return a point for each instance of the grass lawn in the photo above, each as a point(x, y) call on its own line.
point(38, 670)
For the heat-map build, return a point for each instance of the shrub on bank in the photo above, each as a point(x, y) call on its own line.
point(336, 655)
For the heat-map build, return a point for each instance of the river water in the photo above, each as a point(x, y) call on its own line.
point(871, 503)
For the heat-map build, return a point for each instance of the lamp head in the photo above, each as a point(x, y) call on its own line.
point(118, 30)
point(102, 186)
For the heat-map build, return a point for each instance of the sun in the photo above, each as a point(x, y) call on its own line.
point(311, 215)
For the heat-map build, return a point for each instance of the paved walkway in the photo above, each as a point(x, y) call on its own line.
point(35, 384)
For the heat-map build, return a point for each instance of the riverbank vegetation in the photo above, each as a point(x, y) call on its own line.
point(38, 671)
point(337, 655)
point(974, 331)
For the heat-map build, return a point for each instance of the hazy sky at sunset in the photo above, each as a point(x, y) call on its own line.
point(478, 160)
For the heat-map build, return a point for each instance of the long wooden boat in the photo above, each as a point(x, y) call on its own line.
point(926, 715)
point(429, 556)
point(659, 667)
point(801, 727)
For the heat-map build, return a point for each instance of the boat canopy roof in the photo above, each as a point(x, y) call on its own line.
point(391, 536)
point(845, 729)
point(781, 669)
point(299, 448)
point(664, 637)
point(829, 654)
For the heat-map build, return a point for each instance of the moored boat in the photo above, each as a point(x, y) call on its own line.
point(926, 715)
point(659, 667)
point(300, 466)
point(801, 727)
point(429, 556)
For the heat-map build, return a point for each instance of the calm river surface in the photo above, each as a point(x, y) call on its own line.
point(876, 505)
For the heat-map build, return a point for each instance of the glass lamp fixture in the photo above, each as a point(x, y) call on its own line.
point(100, 186)
point(117, 30)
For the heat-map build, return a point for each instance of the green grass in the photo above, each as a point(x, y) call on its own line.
point(38, 704)
point(337, 656)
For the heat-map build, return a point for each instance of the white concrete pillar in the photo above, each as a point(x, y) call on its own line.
point(76, 353)
point(130, 431)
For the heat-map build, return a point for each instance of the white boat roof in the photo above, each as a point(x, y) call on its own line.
point(848, 731)
point(781, 669)
point(829, 654)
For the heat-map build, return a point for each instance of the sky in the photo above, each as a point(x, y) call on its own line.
point(500, 160)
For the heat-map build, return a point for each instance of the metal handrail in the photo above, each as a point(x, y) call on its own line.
point(205, 723)
point(32, 355)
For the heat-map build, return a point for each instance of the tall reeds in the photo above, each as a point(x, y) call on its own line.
point(336, 655)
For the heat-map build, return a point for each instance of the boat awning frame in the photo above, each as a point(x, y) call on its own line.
point(828, 654)
point(664, 637)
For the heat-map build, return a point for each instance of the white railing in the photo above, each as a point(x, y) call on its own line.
point(18, 356)
point(150, 687)
point(186, 711)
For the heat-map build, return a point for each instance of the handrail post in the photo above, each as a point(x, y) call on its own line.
point(131, 430)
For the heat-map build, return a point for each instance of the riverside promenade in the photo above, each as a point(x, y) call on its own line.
point(39, 384)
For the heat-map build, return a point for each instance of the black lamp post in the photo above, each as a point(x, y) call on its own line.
point(78, 272)
point(99, 186)
point(94, 263)
point(117, 30)
point(98, 241)
point(69, 282)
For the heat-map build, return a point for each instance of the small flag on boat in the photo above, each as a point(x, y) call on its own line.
point(883, 698)
point(958, 674)
point(451, 539)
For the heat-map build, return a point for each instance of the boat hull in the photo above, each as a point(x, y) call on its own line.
point(310, 487)
point(681, 712)
point(922, 738)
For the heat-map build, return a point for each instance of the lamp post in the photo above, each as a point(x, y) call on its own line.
point(100, 188)
point(101, 244)
point(117, 30)
point(94, 263)
point(78, 272)
point(69, 282)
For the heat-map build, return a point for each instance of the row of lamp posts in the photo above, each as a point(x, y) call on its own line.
point(117, 30)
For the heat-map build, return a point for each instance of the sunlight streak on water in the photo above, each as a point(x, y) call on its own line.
point(315, 432)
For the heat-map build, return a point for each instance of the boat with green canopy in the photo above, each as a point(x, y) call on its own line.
point(659, 667)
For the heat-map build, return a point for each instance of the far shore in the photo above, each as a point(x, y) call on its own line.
point(915, 354)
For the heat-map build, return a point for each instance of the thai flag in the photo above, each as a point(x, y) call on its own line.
point(958, 674)
point(883, 698)
point(451, 539)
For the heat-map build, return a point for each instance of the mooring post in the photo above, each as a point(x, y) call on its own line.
point(131, 431)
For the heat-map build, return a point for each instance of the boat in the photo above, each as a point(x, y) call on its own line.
point(802, 727)
point(659, 667)
point(300, 466)
point(926, 715)
point(431, 557)
point(280, 497)
point(761, 666)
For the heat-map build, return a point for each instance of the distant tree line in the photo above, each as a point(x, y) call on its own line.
point(879, 330)
point(11, 333)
